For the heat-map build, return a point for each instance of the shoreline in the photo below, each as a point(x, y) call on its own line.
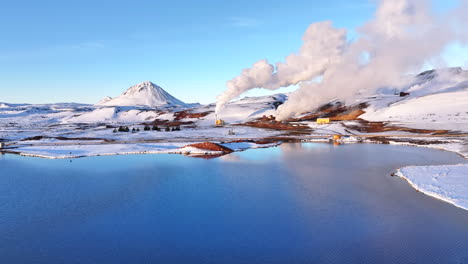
point(59, 151)
point(175, 145)
point(434, 182)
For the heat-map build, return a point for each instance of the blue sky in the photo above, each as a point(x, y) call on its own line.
point(81, 51)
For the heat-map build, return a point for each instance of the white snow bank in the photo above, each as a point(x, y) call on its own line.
point(436, 111)
point(239, 146)
point(91, 150)
point(458, 145)
point(448, 182)
point(77, 151)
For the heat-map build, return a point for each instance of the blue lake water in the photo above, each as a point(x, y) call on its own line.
point(298, 203)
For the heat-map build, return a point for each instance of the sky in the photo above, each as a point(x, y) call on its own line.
point(81, 51)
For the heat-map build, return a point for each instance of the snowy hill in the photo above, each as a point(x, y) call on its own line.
point(439, 81)
point(144, 94)
point(437, 99)
point(104, 100)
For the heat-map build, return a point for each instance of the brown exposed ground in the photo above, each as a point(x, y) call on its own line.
point(340, 112)
point(65, 138)
point(346, 116)
point(33, 138)
point(211, 147)
point(273, 124)
point(262, 141)
point(277, 139)
point(204, 156)
point(185, 114)
point(419, 142)
point(336, 112)
point(376, 127)
point(163, 122)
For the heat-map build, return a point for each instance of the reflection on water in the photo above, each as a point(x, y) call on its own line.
point(272, 153)
point(254, 156)
point(296, 203)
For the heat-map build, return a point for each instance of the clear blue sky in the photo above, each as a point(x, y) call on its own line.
point(81, 51)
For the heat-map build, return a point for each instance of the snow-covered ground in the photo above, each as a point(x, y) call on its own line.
point(448, 183)
point(103, 149)
point(447, 111)
point(67, 130)
point(437, 99)
point(458, 145)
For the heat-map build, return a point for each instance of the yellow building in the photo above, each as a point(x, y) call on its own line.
point(219, 122)
point(336, 137)
point(323, 121)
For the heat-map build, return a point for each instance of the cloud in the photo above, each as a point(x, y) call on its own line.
point(402, 37)
point(323, 45)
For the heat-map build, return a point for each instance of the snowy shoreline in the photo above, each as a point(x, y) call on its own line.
point(448, 183)
point(444, 182)
point(90, 150)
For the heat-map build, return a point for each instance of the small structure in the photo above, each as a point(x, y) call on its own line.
point(323, 121)
point(2, 145)
point(219, 122)
point(336, 137)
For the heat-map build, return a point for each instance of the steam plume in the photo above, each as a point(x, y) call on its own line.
point(402, 37)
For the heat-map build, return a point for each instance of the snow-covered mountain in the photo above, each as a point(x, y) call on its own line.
point(104, 100)
point(144, 94)
point(439, 81)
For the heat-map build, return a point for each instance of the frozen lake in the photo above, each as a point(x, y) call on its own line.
point(298, 203)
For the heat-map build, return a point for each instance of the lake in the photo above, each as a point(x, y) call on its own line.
point(297, 203)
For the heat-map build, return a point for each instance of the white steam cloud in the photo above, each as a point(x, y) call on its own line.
point(402, 37)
